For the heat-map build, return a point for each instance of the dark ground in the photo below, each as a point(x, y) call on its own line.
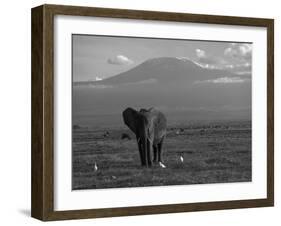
point(213, 152)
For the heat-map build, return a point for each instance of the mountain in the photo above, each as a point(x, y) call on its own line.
point(164, 69)
point(178, 87)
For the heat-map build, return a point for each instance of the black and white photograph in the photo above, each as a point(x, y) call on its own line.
point(160, 112)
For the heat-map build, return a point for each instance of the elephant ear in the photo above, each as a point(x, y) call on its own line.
point(130, 118)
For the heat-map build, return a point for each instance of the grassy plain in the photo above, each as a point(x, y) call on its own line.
point(213, 152)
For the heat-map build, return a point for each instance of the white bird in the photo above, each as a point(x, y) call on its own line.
point(95, 167)
point(162, 165)
point(181, 158)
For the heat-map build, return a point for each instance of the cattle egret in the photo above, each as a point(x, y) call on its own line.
point(181, 158)
point(162, 165)
point(95, 167)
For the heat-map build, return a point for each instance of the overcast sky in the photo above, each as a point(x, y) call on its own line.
point(98, 57)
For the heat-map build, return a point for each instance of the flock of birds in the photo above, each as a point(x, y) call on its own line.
point(160, 164)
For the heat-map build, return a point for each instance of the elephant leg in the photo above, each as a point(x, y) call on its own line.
point(141, 153)
point(148, 151)
point(160, 150)
point(155, 153)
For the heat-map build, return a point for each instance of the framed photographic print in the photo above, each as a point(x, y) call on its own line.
point(141, 112)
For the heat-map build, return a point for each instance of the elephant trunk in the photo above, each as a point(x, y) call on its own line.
point(144, 149)
point(144, 141)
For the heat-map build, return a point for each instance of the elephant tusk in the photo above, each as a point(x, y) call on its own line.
point(150, 140)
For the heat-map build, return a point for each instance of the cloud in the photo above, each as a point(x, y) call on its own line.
point(147, 81)
point(236, 57)
point(207, 60)
point(98, 78)
point(228, 80)
point(200, 53)
point(245, 73)
point(239, 51)
point(120, 60)
point(223, 80)
point(235, 67)
point(100, 86)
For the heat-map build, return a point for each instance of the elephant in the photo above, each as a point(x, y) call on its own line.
point(149, 126)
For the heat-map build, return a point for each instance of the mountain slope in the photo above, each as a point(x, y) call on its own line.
point(164, 70)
